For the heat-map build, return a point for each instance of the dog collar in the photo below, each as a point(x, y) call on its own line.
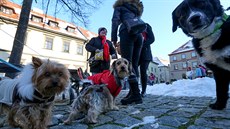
point(37, 98)
point(218, 25)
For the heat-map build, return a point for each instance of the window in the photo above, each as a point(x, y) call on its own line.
point(175, 67)
point(53, 23)
point(183, 56)
point(194, 64)
point(184, 65)
point(70, 29)
point(48, 43)
point(174, 58)
point(6, 10)
point(193, 54)
point(36, 19)
point(65, 47)
point(80, 49)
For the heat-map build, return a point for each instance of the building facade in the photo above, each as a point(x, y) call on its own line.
point(162, 75)
point(182, 58)
point(46, 37)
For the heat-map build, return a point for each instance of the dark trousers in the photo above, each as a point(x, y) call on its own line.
point(131, 46)
point(144, 78)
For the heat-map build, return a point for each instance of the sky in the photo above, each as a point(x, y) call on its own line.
point(156, 12)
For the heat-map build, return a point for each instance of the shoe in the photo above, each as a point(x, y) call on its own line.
point(132, 99)
point(217, 106)
point(143, 95)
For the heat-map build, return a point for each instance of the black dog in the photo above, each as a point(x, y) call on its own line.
point(208, 25)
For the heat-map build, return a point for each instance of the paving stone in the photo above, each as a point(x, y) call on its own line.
point(173, 121)
point(109, 127)
point(169, 113)
point(213, 123)
point(198, 127)
point(127, 121)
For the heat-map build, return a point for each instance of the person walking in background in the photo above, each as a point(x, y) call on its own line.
point(145, 57)
point(198, 72)
point(101, 44)
point(189, 73)
point(151, 78)
point(203, 70)
point(130, 44)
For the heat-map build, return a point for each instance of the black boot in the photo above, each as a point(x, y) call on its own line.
point(135, 96)
point(220, 103)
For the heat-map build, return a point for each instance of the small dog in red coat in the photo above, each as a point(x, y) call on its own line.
point(97, 98)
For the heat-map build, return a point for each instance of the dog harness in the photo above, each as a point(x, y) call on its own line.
point(106, 78)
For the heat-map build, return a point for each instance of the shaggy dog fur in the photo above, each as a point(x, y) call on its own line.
point(28, 99)
point(96, 99)
point(208, 25)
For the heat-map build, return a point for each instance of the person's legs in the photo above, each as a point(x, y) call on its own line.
point(143, 69)
point(128, 48)
point(138, 42)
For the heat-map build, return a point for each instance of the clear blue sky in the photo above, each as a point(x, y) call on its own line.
point(156, 12)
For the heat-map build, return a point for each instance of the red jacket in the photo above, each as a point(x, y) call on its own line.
point(106, 78)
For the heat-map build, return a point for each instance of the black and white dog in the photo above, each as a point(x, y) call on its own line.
point(208, 25)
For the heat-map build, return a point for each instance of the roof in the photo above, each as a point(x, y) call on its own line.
point(161, 62)
point(188, 46)
point(62, 25)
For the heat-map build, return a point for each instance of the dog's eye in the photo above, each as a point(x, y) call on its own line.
point(60, 74)
point(47, 74)
point(118, 63)
point(126, 62)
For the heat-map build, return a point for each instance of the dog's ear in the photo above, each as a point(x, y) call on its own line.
point(175, 21)
point(37, 62)
point(112, 68)
point(217, 7)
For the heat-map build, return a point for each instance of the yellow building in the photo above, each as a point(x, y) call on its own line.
point(46, 37)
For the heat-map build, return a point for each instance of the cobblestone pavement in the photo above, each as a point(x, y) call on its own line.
point(168, 112)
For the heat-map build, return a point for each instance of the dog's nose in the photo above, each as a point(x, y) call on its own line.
point(55, 83)
point(195, 19)
point(122, 68)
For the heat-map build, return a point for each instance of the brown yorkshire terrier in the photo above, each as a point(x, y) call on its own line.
point(28, 99)
point(100, 97)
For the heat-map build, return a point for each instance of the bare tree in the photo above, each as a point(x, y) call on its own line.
point(79, 10)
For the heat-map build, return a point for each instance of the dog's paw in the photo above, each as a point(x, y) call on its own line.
point(67, 122)
point(217, 106)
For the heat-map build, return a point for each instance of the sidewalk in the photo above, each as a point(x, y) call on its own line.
point(159, 112)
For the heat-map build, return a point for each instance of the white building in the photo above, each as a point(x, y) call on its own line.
point(163, 70)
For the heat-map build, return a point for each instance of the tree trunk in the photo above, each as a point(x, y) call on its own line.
point(16, 53)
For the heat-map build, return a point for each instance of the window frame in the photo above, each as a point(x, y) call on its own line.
point(66, 44)
point(53, 24)
point(48, 45)
point(6, 10)
point(37, 19)
point(175, 66)
point(79, 50)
